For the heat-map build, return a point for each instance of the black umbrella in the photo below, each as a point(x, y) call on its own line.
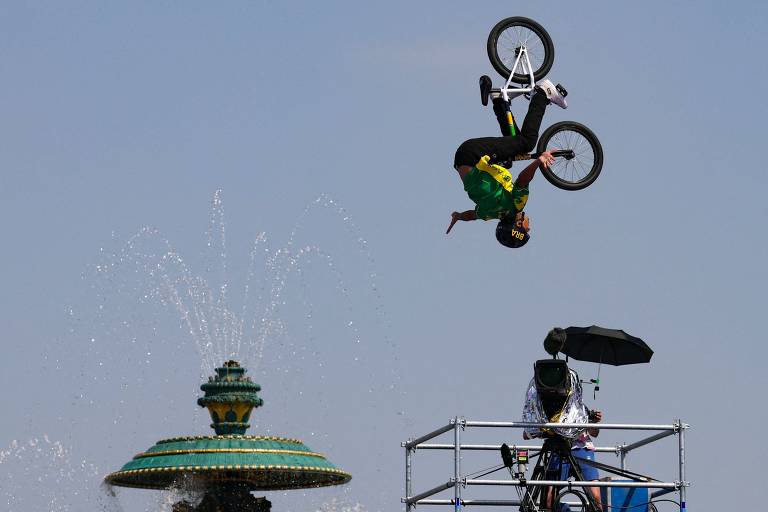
point(609, 346)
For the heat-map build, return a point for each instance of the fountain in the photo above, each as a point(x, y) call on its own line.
point(148, 303)
point(227, 467)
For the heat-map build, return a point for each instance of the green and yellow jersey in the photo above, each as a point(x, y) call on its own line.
point(492, 189)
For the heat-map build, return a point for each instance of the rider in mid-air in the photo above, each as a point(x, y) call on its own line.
point(490, 186)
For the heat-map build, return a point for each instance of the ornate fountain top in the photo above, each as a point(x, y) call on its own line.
point(230, 397)
point(213, 462)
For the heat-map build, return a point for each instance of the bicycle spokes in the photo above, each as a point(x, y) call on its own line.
point(520, 50)
point(513, 41)
point(578, 155)
point(582, 156)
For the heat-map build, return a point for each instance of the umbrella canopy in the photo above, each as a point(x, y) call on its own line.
point(609, 346)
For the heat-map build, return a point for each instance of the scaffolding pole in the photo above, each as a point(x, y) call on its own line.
point(623, 457)
point(497, 447)
point(426, 494)
point(496, 503)
point(648, 440)
point(681, 451)
point(408, 487)
point(601, 426)
point(487, 503)
point(457, 424)
point(427, 437)
point(574, 483)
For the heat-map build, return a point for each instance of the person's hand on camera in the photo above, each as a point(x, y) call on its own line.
point(595, 417)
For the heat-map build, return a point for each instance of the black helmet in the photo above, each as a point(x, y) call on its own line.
point(509, 235)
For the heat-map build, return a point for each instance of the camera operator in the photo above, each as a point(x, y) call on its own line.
point(555, 396)
point(582, 448)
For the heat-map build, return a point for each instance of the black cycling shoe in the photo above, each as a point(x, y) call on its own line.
point(485, 89)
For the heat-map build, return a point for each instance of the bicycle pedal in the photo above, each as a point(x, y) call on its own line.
point(561, 90)
point(485, 89)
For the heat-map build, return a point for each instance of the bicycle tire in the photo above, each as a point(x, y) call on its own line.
point(584, 168)
point(541, 53)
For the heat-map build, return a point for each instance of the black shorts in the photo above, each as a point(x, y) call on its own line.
point(499, 149)
point(504, 148)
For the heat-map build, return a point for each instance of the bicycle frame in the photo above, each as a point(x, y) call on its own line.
point(509, 92)
point(522, 61)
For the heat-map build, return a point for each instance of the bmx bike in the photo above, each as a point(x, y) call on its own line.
point(522, 52)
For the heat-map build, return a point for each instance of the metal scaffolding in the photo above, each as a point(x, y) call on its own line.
point(459, 482)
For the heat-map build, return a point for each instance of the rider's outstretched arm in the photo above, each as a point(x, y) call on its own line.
point(545, 159)
point(456, 216)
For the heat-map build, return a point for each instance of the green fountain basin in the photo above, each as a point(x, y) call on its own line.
point(259, 463)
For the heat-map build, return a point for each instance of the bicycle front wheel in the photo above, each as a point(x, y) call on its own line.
point(584, 162)
point(506, 40)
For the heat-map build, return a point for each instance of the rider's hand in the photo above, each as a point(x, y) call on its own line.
point(546, 159)
point(454, 219)
point(596, 416)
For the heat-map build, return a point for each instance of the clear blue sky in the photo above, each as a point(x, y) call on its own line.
point(114, 117)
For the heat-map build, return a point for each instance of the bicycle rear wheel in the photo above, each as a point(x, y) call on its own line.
point(583, 166)
point(505, 41)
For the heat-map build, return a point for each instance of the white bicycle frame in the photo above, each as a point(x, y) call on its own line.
point(509, 92)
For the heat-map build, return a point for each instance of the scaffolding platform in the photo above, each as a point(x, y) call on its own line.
point(460, 482)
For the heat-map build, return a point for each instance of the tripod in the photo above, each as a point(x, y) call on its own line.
point(549, 468)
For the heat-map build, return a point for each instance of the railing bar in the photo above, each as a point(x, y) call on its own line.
point(661, 492)
point(427, 437)
point(661, 435)
point(434, 490)
point(496, 503)
point(491, 503)
point(437, 446)
point(487, 503)
point(602, 426)
point(575, 483)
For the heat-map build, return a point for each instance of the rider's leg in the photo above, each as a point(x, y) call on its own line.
point(529, 133)
point(504, 148)
point(504, 117)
